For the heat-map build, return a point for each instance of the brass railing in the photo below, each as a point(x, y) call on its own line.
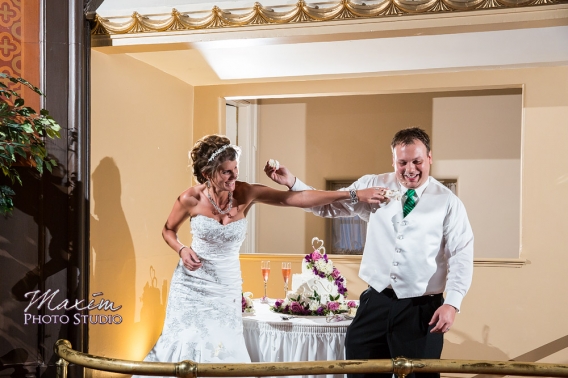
point(399, 366)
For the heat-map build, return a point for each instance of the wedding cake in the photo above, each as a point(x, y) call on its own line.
point(319, 290)
point(247, 303)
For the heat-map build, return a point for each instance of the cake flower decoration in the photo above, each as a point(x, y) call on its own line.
point(247, 303)
point(311, 302)
point(321, 266)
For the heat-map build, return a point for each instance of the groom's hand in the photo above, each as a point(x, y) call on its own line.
point(443, 318)
point(280, 176)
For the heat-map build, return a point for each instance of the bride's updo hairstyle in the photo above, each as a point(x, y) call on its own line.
point(209, 153)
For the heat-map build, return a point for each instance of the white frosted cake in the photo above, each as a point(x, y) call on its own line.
point(309, 282)
point(319, 290)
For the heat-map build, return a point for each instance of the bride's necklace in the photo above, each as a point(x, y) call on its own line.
point(217, 208)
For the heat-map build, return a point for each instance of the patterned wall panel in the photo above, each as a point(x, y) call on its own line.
point(19, 44)
point(11, 37)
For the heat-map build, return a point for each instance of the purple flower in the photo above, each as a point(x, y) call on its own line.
point(308, 258)
point(320, 310)
point(316, 256)
point(325, 258)
point(244, 303)
point(296, 308)
point(278, 303)
point(333, 306)
point(351, 304)
point(341, 289)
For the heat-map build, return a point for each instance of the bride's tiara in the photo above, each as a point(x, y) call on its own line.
point(214, 154)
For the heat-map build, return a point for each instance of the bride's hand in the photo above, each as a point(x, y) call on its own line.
point(190, 259)
point(280, 176)
point(375, 195)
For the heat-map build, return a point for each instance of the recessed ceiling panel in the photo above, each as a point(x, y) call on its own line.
point(465, 50)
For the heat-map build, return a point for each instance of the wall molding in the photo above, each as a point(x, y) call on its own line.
point(500, 263)
point(356, 259)
point(299, 14)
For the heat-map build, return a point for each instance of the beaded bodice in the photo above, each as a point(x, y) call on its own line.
point(209, 235)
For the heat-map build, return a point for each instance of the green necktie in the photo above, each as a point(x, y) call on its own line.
point(410, 202)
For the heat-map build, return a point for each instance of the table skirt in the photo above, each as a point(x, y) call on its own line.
point(270, 339)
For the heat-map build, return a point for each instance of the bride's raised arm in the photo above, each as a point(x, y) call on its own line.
point(310, 198)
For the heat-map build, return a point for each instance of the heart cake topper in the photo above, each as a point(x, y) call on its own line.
point(317, 241)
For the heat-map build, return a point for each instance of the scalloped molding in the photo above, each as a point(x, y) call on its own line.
point(301, 13)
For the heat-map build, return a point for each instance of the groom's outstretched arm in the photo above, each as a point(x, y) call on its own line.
point(344, 208)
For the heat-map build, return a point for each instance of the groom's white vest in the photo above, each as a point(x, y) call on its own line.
point(408, 253)
point(412, 254)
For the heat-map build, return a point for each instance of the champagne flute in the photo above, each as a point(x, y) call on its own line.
point(286, 272)
point(265, 269)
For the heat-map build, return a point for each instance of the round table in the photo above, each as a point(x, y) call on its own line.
point(269, 338)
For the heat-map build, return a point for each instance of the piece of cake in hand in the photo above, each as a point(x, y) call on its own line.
point(393, 194)
point(274, 163)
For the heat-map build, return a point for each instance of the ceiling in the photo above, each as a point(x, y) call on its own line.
point(409, 44)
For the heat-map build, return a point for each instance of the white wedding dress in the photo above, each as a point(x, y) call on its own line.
point(204, 311)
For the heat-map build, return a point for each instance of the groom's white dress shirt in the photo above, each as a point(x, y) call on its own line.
point(427, 252)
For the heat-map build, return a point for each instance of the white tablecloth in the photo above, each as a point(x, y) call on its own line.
point(307, 338)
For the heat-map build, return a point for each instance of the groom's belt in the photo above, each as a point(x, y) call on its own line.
point(391, 294)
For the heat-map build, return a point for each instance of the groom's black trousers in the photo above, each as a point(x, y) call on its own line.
point(387, 327)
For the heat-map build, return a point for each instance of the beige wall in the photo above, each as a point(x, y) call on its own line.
point(328, 138)
point(345, 137)
point(141, 133)
point(487, 165)
point(281, 136)
point(508, 311)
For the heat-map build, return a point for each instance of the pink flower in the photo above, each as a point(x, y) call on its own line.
point(296, 308)
point(333, 306)
point(316, 255)
point(351, 304)
point(335, 273)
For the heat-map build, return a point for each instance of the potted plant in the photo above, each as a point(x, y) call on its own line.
point(22, 137)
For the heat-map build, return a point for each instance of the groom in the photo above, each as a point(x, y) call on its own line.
point(416, 249)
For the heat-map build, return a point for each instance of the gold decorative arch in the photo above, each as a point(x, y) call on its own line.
point(301, 13)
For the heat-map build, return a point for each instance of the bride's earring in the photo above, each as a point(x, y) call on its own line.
point(208, 184)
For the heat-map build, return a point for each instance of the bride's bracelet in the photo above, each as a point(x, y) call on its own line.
point(179, 250)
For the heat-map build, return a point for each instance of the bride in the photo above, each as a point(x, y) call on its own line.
point(203, 316)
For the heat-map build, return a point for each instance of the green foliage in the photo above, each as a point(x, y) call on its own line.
point(6, 204)
point(22, 136)
point(333, 298)
point(315, 297)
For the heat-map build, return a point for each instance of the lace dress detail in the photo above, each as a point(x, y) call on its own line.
point(204, 315)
